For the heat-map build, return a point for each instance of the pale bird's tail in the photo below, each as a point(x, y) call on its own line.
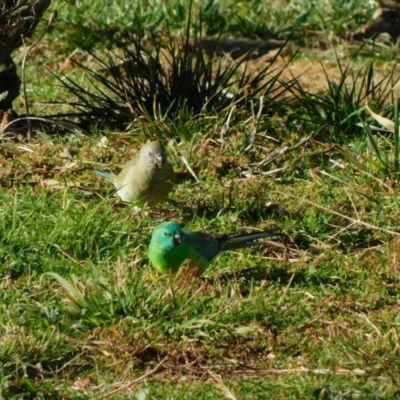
point(106, 175)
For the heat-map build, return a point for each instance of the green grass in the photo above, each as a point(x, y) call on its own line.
point(107, 317)
point(112, 22)
point(84, 314)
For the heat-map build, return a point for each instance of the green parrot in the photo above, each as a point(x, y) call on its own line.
point(171, 245)
point(145, 180)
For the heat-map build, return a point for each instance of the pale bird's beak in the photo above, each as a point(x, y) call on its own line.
point(177, 238)
point(161, 159)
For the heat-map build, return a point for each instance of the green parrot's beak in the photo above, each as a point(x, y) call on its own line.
point(177, 238)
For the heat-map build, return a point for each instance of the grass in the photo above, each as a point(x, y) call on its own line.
point(112, 22)
point(84, 315)
point(167, 80)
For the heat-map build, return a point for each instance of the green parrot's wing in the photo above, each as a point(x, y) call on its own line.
point(204, 248)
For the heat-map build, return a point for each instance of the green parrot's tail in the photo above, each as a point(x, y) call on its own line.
point(106, 175)
point(248, 240)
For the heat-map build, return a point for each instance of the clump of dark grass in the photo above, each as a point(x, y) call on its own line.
point(379, 155)
point(169, 78)
point(337, 111)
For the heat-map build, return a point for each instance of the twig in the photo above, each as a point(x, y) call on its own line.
point(370, 322)
point(256, 121)
point(226, 127)
point(71, 126)
point(280, 152)
point(201, 322)
point(141, 378)
point(354, 206)
point(366, 224)
point(53, 15)
point(320, 371)
point(273, 171)
point(67, 254)
point(189, 168)
point(340, 231)
point(286, 289)
point(309, 322)
point(220, 384)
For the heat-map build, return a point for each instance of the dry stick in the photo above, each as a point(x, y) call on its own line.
point(321, 371)
point(220, 384)
point(340, 232)
point(51, 19)
point(273, 171)
point(120, 389)
point(226, 127)
point(354, 206)
point(256, 121)
point(190, 169)
point(203, 321)
point(66, 254)
point(70, 126)
point(366, 224)
point(286, 289)
point(280, 152)
point(370, 322)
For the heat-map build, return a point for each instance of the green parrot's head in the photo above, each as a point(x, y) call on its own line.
point(167, 249)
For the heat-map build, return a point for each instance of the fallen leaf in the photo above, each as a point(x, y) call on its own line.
point(5, 118)
point(81, 383)
point(370, 256)
point(68, 152)
point(50, 182)
point(387, 123)
point(103, 142)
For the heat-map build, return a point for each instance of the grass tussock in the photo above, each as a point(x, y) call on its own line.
point(168, 78)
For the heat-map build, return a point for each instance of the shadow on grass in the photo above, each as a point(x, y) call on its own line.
point(280, 276)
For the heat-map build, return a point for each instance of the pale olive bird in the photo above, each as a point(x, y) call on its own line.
point(171, 246)
point(147, 179)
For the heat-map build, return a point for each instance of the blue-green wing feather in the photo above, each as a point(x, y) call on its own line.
point(205, 248)
point(106, 175)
